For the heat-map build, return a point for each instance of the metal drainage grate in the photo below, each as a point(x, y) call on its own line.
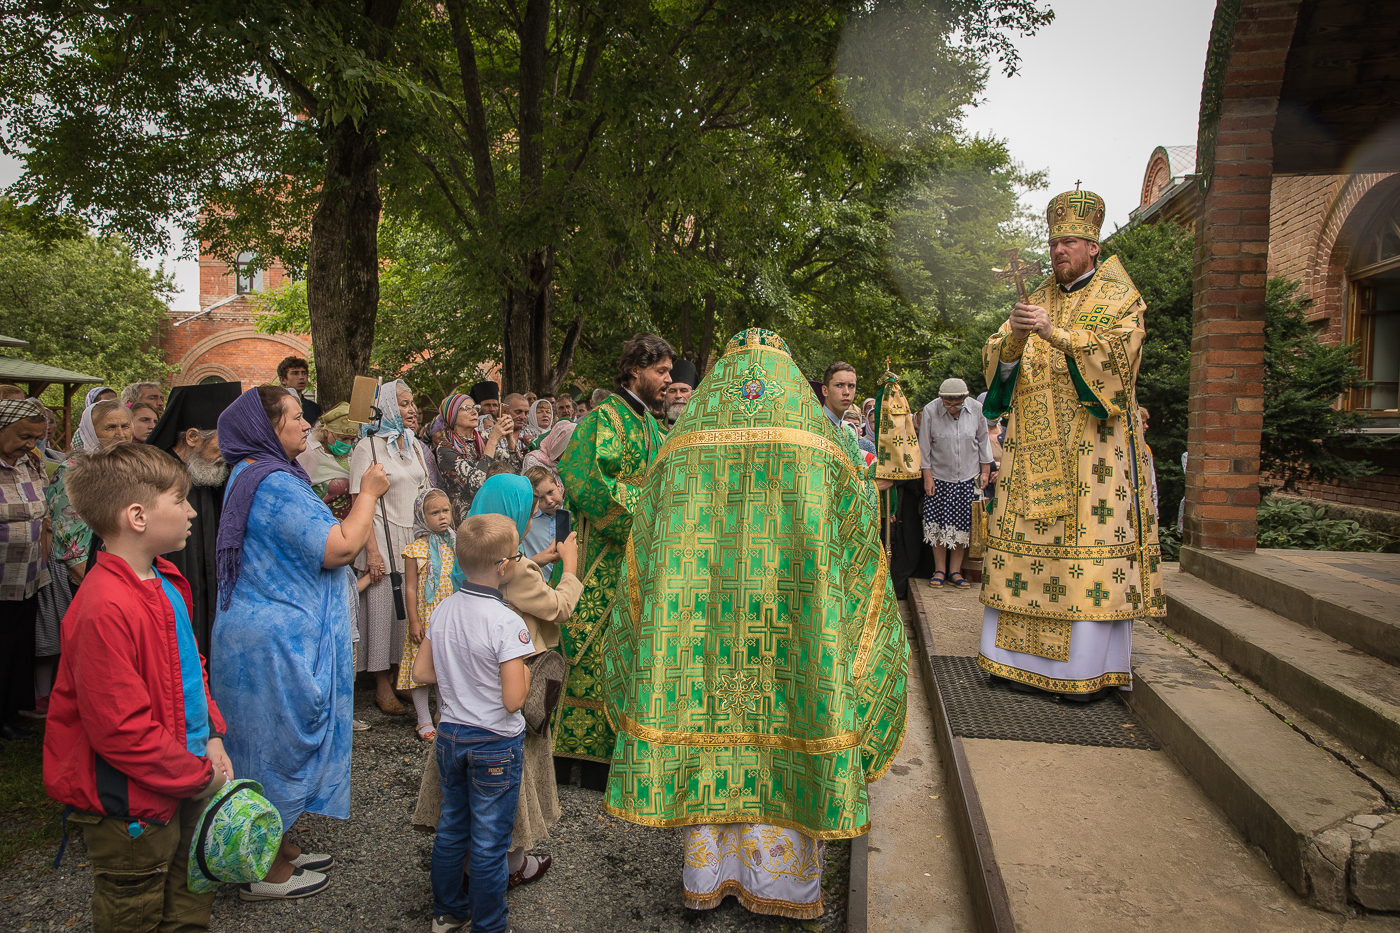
point(977, 710)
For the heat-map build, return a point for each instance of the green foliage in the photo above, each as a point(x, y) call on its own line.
point(1292, 523)
point(85, 305)
point(1158, 258)
point(1305, 438)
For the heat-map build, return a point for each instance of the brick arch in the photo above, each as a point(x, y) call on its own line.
point(192, 370)
point(1350, 211)
point(1157, 178)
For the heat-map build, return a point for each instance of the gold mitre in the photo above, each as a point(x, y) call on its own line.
point(1075, 213)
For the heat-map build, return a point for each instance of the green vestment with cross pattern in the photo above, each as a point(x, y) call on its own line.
point(1072, 534)
point(602, 469)
point(756, 660)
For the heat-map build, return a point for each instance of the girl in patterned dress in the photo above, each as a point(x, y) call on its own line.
point(428, 565)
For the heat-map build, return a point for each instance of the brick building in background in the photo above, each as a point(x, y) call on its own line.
point(1339, 235)
point(220, 342)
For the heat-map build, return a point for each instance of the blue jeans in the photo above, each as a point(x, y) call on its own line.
point(480, 789)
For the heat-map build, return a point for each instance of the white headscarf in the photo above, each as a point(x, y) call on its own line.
point(534, 422)
point(87, 431)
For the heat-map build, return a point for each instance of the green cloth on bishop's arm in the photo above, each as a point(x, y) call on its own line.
point(1002, 391)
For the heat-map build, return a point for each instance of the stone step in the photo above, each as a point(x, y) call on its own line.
point(1351, 695)
point(1315, 590)
point(1328, 833)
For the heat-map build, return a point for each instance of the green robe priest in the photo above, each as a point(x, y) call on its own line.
point(756, 660)
point(603, 469)
point(1072, 555)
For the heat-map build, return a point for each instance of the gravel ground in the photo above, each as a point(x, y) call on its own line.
point(607, 874)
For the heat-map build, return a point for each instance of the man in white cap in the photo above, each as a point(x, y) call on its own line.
point(957, 458)
point(1072, 556)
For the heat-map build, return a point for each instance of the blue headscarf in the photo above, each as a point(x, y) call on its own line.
point(391, 419)
point(438, 541)
point(244, 433)
point(503, 494)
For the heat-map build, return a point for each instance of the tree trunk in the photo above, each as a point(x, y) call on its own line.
point(342, 270)
point(707, 336)
point(687, 350)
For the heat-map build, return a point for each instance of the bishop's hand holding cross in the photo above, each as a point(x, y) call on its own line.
point(1026, 318)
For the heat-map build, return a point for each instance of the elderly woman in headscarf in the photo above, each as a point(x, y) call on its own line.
point(539, 421)
point(281, 664)
point(103, 424)
point(413, 421)
point(544, 609)
point(326, 459)
point(95, 394)
point(468, 454)
point(391, 444)
point(22, 486)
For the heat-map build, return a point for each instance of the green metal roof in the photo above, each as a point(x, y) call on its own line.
point(13, 370)
point(6, 341)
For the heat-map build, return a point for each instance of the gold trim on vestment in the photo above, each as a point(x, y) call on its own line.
point(634, 592)
point(832, 743)
point(1033, 634)
point(872, 776)
point(768, 906)
point(746, 347)
point(1054, 684)
point(757, 436)
point(613, 514)
point(583, 702)
point(701, 819)
point(872, 618)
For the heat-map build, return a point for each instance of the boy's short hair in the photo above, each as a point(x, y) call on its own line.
point(484, 540)
point(540, 474)
point(104, 482)
point(833, 369)
point(11, 392)
point(499, 467)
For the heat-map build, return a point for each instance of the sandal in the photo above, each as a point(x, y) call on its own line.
point(427, 733)
point(936, 580)
point(956, 578)
point(391, 706)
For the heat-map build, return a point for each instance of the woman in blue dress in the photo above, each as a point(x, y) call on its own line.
point(282, 632)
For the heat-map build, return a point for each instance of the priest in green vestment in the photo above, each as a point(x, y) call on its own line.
point(1072, 555)
point(603, 469)
point(756, 660)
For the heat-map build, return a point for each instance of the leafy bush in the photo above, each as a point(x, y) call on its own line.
point(1289, 523)
point(1170, 541)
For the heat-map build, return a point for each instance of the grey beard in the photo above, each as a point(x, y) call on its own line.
point(204, 473)
point(674, 412)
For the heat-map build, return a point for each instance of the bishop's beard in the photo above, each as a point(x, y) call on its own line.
point(204, 473)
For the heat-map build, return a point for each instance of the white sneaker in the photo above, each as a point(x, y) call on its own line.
point(313, 862)
point(358, 726)
point(302, 883)
point(446, 923)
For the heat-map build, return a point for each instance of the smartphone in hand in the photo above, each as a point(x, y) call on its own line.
point(563, 519)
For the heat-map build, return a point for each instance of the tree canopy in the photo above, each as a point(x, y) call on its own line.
point(564, 173)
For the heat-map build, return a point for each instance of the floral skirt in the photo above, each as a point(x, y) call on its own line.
point(948, 513)
point(771, 870)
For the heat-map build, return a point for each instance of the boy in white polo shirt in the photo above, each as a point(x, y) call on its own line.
point(475, 650)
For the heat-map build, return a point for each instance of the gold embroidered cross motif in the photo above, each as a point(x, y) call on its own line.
point(755, 390)
point(737, 692)
point(1017, 272)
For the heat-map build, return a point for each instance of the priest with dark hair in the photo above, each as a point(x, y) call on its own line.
point(189, 431)
point(487, 396)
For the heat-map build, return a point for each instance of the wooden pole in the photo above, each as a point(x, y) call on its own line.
point(68, 389)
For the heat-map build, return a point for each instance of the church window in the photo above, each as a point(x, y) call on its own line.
point(1375, 300)
point(250, 279)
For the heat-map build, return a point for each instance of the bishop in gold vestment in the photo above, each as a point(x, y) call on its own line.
point(1072, 556)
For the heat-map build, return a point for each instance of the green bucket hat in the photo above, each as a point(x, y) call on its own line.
point(236, 839)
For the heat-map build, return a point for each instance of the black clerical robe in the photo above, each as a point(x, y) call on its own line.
point(196, 561)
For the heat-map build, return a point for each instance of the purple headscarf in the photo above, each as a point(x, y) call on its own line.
point(245, 432)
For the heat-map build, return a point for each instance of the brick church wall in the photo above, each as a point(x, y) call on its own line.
point(224, 343)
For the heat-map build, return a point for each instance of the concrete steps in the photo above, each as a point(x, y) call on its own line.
point(1352, 695)
point(1285, 709)
point(1316, 592)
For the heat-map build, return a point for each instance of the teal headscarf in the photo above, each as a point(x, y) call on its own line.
point(503, 494)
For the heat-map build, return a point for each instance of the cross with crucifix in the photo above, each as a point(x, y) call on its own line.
point(1017, 271)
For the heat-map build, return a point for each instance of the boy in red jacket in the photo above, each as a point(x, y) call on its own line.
point(134, 741)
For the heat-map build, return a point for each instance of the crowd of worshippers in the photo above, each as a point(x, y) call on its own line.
point(396, 493)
